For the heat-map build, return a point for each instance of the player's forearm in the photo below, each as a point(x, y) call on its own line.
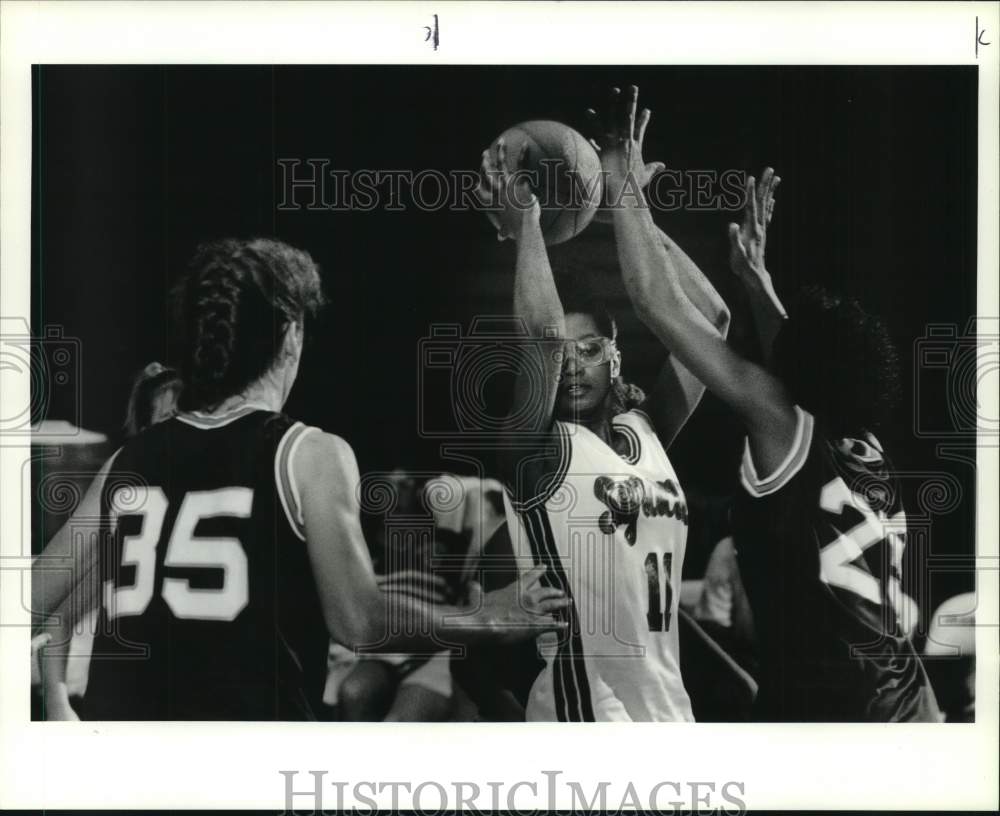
point(405, 624)
point(768, 312)
point(652, 279)
point(696, 286)
point(536, 300)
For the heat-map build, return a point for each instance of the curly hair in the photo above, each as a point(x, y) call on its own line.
point(233, 307)
point(838, 362)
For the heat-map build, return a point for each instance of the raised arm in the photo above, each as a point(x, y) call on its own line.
point(652, 280)
point(746, 259)
point(530, 447)
point(676, 392)
point(357, 613)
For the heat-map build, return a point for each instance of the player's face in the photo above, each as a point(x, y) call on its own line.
point(583, 388)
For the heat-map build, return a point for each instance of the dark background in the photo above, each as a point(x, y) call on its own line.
point(133, 166)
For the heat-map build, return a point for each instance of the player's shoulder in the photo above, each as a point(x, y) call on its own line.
point(317, 455)
point(806, 442)
point(636, 420)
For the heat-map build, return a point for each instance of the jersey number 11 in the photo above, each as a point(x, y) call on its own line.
point(657, 615)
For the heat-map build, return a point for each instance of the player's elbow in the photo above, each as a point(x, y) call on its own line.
point(362, 626)
point(723, 319)
point(546, 323)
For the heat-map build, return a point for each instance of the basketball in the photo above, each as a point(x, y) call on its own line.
point(568, 172)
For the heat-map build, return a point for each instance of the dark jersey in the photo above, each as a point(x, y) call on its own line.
point(820, 546)
point(210, 608)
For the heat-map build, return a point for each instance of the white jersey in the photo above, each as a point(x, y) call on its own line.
point(612, 531)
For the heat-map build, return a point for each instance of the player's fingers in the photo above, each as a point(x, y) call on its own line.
point(474, 594)
point(532, 577)
point(522, 157)
point(631, 104)
point(613, 123)
point(653, 168)
point(735, 243)
point(487, 168)
point(594, 123)
point(764, 190)
point(770, 198)
point(551, 605)
point(550, 624)
point(539, 594)
point(502, 156)
point(38, 641)
point(642, 124)
point(594, 145)
point(751, 200)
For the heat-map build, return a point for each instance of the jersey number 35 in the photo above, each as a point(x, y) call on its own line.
point(184, 549)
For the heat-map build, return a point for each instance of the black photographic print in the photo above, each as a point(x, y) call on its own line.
point(457, 393)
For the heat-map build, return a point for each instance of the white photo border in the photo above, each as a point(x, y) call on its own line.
point(204, 765)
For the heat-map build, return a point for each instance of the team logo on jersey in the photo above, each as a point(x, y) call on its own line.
point(626, 498)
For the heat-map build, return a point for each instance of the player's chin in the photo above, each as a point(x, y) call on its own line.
point(574, 405)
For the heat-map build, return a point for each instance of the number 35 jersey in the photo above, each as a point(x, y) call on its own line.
point(210, 610)
point(611, 528)
point(820, 545)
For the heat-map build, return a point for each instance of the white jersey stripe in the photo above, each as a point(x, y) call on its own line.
point(284, 479)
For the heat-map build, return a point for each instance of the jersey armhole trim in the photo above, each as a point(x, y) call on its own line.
point(790, 465)
point(555, 479)
point(284, 477)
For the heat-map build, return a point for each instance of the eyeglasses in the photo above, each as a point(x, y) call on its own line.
point(592, 351)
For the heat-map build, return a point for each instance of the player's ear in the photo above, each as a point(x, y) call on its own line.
point(616, 364)
point(291, 346)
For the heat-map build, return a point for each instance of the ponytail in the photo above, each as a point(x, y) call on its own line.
point(625, 396)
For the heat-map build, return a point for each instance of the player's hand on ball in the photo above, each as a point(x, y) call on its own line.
point(506, 195)
point(524, 609)
point(618, 135)
point(747, 240)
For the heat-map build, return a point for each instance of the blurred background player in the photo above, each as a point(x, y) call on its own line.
point(65, 661)
point(428, 543)
point(820, 510)
point(235, 547)
point(592, 494)
point(153, 398)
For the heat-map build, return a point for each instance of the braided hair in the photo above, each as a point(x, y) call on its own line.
point(233, 307)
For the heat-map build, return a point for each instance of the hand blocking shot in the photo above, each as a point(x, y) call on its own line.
point(591, 492)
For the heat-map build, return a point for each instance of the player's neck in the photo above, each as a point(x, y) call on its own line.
point(599, 424)
point(265, 393)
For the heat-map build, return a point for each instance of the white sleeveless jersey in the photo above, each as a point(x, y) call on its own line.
point(612, 531)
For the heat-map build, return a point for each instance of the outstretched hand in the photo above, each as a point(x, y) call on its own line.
point(617, 136)
point(747, 240)
point(521, 610)
point(505, 195)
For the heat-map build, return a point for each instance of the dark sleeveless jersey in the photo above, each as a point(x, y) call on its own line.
point(820, 546)
point(210, 609)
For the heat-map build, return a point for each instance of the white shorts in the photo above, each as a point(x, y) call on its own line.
point(433, 674)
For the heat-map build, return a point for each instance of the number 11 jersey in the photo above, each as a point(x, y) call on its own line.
point(611, 527)
point(209, 607)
